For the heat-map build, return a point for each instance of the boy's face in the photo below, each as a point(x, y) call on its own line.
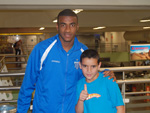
point(90, 68)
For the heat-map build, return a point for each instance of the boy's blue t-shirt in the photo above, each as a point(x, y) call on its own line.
point(104, 95)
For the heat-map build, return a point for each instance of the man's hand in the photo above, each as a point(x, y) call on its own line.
point(83, 94)
point(111, 74)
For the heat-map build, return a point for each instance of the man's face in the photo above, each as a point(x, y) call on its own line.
point(90, 68)
point(67, 27)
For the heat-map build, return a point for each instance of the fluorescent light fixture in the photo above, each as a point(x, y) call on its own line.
point(146, 27)
point(77, 10)
point(99, 28)
point(145, 20)
point(55, 21)
point(42, 28)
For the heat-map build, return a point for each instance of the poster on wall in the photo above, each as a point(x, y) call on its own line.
point(140, 52)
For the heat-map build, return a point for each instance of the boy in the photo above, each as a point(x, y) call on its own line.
point(95, 93)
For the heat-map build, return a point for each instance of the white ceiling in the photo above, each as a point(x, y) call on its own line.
point(115, 18)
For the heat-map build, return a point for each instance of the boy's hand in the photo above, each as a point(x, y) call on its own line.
point(111, 74)
point(83, 94)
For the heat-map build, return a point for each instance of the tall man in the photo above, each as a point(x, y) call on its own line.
point(53, 70)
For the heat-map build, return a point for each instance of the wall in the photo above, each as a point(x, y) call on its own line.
point(137, 36)
point(114, 41)
point(116, 56)
point(88, 40)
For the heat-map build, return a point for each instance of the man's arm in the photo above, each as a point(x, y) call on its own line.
point(28, 84)
point(120, 109)
point(109, 73)
point(83, 95)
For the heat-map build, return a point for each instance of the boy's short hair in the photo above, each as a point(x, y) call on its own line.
point(66, 12)
point(90, 53)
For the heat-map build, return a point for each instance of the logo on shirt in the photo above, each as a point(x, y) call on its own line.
point(76, 64)
point(93, 95)
point(55, 61)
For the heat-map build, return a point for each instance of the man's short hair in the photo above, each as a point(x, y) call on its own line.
point(90, 53)
point(67, 12)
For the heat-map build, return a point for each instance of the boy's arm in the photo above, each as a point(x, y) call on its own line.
point(120, 109)
point(83, 95)
point(79, 107)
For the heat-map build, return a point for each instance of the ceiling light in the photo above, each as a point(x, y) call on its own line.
point(99, 28)
point(77, 10)
point(55, 20)
point(42, 28)
point(146, 27)
point(145, 20)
